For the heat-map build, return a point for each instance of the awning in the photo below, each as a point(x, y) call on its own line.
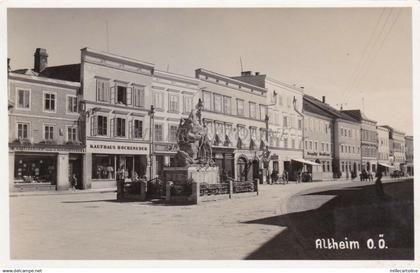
point(386, 165)
point(307, 162)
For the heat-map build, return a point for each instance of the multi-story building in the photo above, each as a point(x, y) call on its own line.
point(318, 136)
point(383, 157)
point(396, 148)
point(285, 122)
point(234, 114)
point(45, 147)
point(368, 139)
point(409, 155)
point(345, 146)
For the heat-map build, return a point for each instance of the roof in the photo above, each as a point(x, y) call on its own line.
point(393, 130)
point(309, 107)
point(357, 114)
point(70, 72)
point(327, 108)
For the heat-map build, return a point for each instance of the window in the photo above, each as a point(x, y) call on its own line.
point(188, 104)
point(350, 132)
point(103, 166)
point(217, 100)
point(121, 94)
point(299, 124)
point(173, 103)
point(23, 99)
point(327, 147)
point(138, 96)
point(345, 132)
point(263, 112)
point(341, 131)
point(289, 102)
point(285, 125)
point(240, 107)
point(23, 130)
point(252, 110)
point(322, 147)
point(48, 132)
point(101, 125)
point(49, 102)
point(158, 100)
point(326, 128)
point(286, 144)
point(310, 145)
point(173, 129)
point(138, 129)
point(280, 98)
point(71, 134)
point(316, 145)
point(120, 127)
point(342, 148)
point(306, 144)
point(227, 105)
point(354, 150)
point(102, 90)
point(158, 132)
point(207, 100)
point(293, 143)
point(71, 104)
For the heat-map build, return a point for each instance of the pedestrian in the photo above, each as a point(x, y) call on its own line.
point(378, 185)
point(285, 177)
point(73, 181)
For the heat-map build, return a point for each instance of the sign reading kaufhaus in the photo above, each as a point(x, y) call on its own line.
point(106, 147)
point(317, 154)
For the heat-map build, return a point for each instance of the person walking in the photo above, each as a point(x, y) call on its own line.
point(378, 185)
point(73, 182)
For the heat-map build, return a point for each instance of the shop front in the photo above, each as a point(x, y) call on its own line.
point(164, 156)
point(106, 160)
point(43, 167)
point(324, 171)
point(224, 159)
point(305, 170)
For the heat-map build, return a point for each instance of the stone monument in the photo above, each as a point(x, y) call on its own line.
point(193, 161)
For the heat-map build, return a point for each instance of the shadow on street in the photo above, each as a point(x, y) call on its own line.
point(356, 213)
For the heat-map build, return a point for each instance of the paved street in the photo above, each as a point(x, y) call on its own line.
point(281, 223)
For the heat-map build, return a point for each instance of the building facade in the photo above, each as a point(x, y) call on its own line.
point(397, 148)
point(234, 115)
point(285, 122)
point(368, 140)
point(409, 155)
point(383, 157)
point(318, 140)
point(45, 146)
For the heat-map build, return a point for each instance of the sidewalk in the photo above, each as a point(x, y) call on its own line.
point(43, 193)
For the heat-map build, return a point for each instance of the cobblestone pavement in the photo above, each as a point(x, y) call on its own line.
point(96, 226)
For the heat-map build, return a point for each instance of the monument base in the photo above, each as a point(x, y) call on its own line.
point(196, 173)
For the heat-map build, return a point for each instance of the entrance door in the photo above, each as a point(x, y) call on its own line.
point(242, 169)
point(255, 169)
point(75, 167)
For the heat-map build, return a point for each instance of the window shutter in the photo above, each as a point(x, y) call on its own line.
point(106, 91)
point(141, 97)
point(130, 129)
point(129, 93)
point(112, 91)
point(112, 128)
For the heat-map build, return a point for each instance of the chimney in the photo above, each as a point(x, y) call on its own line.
point(323, 99)
point(40, 59)
point(257, 73)
point(246, 73)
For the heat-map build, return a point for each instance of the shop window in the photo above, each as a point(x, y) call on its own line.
point(103, 167)
point(173, 103)
point(121, 94)
point(71, 134)
point(158, 132)
point(71, 104)
point(23, 130)
point(49, 102)
point(173, 129)
point(48, 132)
point(227, 106)
point(120, 127)
point(23, 99)
point(35, 169)
point(138, 96)
point(240, 107)
point(138, 129)
point(102, 90)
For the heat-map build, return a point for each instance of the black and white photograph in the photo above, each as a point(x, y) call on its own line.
point(209, 133)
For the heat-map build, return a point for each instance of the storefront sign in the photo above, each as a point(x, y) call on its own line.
point(46, 148)
point(166, 147)
point(106, 147)
point(317, 154)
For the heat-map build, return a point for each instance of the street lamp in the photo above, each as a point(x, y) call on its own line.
point(151, 136)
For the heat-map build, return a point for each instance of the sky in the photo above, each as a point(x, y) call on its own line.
point(359, 58)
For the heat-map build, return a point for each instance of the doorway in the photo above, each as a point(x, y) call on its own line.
point(75, 168)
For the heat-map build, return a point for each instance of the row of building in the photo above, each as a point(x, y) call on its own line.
point(89, 120)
